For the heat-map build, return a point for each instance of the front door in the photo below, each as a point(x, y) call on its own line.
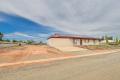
point(80, 41)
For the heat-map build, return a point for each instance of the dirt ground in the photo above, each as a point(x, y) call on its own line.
point(37, 52)
point(29, 52)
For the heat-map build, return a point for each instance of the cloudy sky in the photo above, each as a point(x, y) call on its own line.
point(40, 18)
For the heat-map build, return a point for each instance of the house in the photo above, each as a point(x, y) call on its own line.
point(104, 41)
point(59, 40)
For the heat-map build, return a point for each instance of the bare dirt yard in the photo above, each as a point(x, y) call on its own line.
point(29, 52)
point(36, 53)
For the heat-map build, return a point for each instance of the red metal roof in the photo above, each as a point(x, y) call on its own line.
point(73, 37)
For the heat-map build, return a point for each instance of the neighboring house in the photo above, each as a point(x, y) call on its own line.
point(104, 41)
point(58, 40)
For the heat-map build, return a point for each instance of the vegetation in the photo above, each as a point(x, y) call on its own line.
point(117, 41)
point(107, 39)
point(103, 47)
point(20, 41)
point(14, 41)
point(1, 36)
point(29, 41)
point(7, 40)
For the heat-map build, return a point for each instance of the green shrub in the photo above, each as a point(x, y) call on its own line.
point(117, 41)
point(29, 41)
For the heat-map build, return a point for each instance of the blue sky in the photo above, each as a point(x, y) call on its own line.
point(12, 23)
point(16, 27)
point(34, 18)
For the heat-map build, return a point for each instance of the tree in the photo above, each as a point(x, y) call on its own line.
point(107, 40)
point(117, 40)
point(7, 40)
point(21, 41)
point(30, 41)
point(14, 41)
point(110, 38)
point(1, 36)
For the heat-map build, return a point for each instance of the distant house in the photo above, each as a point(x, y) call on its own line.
point(109, 41)
point(58, 40)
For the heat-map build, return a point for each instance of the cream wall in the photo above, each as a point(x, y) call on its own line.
point(64, 42)
point(60, 42)
point(86, 42)
point(91, 42)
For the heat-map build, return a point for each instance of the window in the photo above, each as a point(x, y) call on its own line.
point(88, 40)
point(76, 41)
point(94, 41)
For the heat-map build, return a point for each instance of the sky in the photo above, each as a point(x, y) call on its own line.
point(20, 28)
point(35, 19)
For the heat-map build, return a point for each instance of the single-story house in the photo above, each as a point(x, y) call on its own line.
point(59, 40)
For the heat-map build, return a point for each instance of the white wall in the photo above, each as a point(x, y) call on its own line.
point(66, 42)
point(60, 42)
point(91, 42)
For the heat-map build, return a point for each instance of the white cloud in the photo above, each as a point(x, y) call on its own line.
point(76, 16)
point(26, 36)
point(16, 34)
